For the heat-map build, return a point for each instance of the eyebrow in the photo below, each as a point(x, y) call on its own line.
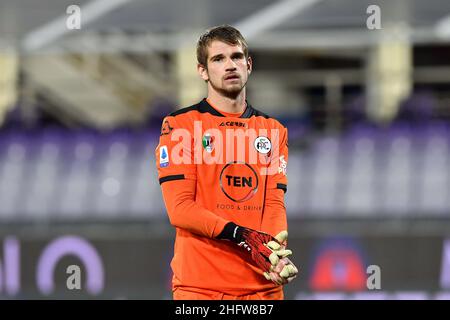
point(216, 56)
point(234, 54)
point(237, 54)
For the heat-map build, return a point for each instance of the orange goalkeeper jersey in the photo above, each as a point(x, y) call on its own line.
point(216, 167)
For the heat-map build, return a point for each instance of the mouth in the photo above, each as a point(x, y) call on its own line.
point(232, 77)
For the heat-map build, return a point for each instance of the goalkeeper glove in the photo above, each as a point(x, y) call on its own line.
point(285, 271)
point(254, 242)
point(279, 245)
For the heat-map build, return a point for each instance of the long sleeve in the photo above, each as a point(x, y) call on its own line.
point(185, 213)
point(274, 220)
point(177, 174)
point(274, 217)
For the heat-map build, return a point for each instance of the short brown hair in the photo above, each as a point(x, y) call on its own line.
point(224, 33)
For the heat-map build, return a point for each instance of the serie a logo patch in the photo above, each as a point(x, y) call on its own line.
point(163, 156)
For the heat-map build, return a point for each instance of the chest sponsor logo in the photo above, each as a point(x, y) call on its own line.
point(239, 181)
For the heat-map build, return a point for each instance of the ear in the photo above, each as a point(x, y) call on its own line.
point(249, 65)
point(203, 72)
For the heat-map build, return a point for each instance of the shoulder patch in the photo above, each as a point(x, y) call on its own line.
point(163, 157)
point(166, 128)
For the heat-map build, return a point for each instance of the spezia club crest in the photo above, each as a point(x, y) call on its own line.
point(208, 142)
point(263, 145)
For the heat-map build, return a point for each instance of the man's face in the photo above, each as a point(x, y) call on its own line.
point(227, 68)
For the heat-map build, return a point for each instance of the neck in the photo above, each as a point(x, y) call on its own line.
point(228, 104)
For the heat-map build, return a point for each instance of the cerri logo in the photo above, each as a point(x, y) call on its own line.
point(233, 124)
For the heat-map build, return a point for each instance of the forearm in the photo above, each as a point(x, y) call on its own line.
point(274, 218)
point(187, 214)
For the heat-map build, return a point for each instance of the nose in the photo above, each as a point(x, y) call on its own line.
point(230, 66)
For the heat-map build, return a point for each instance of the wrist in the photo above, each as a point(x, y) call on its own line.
point(231, 232)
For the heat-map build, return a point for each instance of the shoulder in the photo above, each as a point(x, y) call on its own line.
point(181, 118)
point(184, 111)
point(201, 107)
point(272, 121)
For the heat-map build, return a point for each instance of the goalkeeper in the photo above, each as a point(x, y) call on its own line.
point(222, 170)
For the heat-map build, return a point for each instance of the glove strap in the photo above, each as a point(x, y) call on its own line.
point(231, 232)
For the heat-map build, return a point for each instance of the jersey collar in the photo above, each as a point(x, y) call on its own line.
point(204, 106)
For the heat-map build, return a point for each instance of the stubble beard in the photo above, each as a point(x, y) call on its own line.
point(231, 92)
